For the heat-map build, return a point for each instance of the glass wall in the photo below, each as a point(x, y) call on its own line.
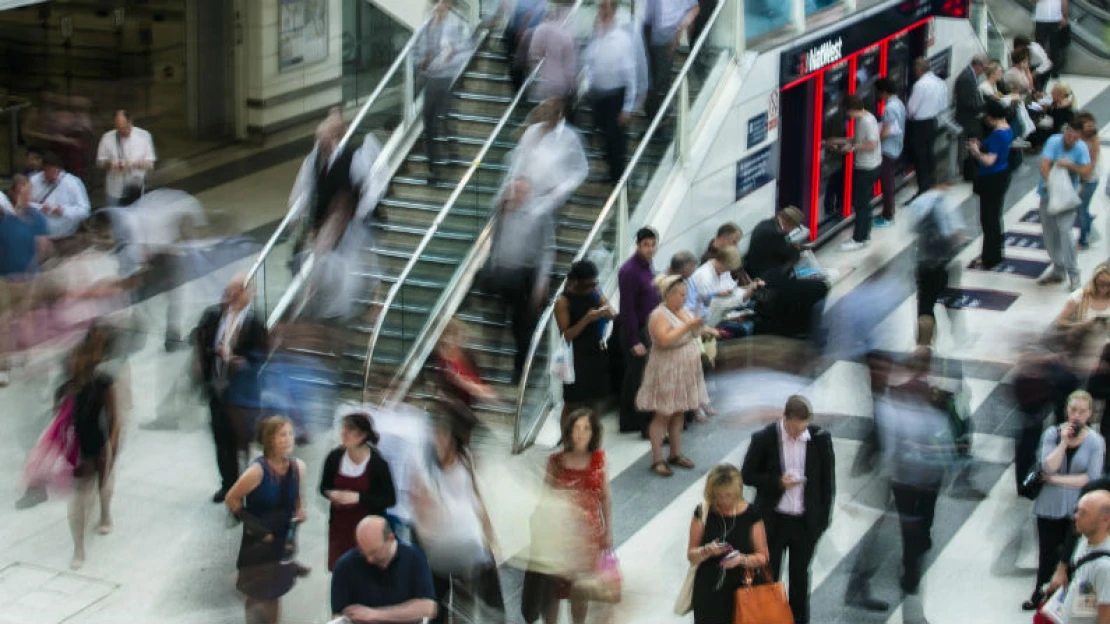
point(372, 39)
point(764, 16)
point(815, 6)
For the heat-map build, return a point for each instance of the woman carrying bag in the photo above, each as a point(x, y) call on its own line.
point(582, 313)
point(727, 540)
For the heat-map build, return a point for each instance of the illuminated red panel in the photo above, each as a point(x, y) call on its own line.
point(815, 164)
point(850, 159)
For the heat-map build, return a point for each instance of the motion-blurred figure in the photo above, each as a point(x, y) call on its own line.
point(23, 246)
point(614, 87)
point(553, 43)
point(664, 23)
point(939, 228)
point(551, 156)
point(60, 196)
point(441, 52)
point(127, 154)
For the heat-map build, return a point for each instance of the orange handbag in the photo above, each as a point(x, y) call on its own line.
point(762, 604)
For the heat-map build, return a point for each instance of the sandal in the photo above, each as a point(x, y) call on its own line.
point(681, 461)
point(660, 468)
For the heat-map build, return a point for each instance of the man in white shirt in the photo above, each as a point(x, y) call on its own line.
point(611, 71)
point(867, 162)
point(1049, 18)
point(550, 156)
point(714, 279)
point(127, 153)
point(60, 196)
point(928, 98)
point(441, 52)
point(664, 23)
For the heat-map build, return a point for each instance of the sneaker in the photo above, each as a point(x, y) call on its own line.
point(1073, 283)
point(5, 379)
point(1050, 278)
point(853, 245)
point(881, 222)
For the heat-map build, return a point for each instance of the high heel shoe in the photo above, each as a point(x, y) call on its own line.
point(1034, 601)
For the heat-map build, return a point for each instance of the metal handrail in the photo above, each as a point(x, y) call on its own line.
point(290, 294)
point(379, 323)
point(614, 197)
point(302, 199)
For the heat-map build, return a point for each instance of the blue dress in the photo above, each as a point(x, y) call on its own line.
point(266, 570)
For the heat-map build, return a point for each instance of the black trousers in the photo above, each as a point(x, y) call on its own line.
point(1048, 35)
point(515, 287)
point(920, 141)
point(916, 507)
point(790, 533)
point(660, 59)
point(227, 442)
point(887, 174)
point(1051, 534)
point(473, 597)
point(931, 282)
point(863, 185)
point(607, 106)
point(632, 419)
point(437, 102)
point(992, 193)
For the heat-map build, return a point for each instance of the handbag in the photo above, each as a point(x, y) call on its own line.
point(1032, 482)
point(684, 603)
point(54, 457)
point(562, 365)
point(1062, 195)
point(603, 584)
point(762, 604)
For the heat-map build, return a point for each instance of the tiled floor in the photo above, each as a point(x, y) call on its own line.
point(171, 557)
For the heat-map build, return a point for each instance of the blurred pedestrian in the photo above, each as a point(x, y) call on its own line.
point(60, 196)
point(97, 406)
point(520, 16)
point(1066, 151)
point(551, 156)
point(457, 373)
point(268, 499)
point(579, 470)
point(127, 154)
point(940, 230)
point(23, 247)
point(673, 382)
point(728, 540)
point(1071, 455)
point(639, 298)
point(552, 42)
point(1088, 130)
point(893, 136)
point(664, 24)
point(992, 179)
point(441, 52)
point(357, 482)
point(583, 315)
point(610, 65)
point(793, 469)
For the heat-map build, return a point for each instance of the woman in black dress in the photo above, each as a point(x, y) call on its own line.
point(724, 541)
point(583, 313)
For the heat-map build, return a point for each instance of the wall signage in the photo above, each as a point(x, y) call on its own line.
point(821, 55)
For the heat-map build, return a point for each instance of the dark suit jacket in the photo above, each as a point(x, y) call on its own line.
point(763, 470)
point(770, 254)
point(969, 103)
point(250, 344)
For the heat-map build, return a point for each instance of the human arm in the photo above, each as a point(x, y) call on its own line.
point(1067, 317)
point(300, 515)
point(562, 317)
point(414, 610)
point(663, 334)
point(245, 484)
point(828, 489)
point(757, 470)
point(1081, 167)
point(606, 506)
point(914, 103)
point(629, 75)
point(687, 22)
point(382, 493)
point(114, 411)
point(328, 472)
point(1064, 22)
point(759, 558)
point(630, 298)
point(696, 552)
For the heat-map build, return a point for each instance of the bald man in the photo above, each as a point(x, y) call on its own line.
point(229, 342)
point(382, 579)
point(1087, 599)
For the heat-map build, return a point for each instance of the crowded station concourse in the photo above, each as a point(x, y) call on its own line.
point(838, 398)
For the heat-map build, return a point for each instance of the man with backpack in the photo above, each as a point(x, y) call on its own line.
point(939, 227)
point(1085, 579)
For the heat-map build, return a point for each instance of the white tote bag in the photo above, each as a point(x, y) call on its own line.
point(562, 365)
point(1062, 195)
point(684, 603)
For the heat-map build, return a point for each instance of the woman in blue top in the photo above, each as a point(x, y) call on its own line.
point(993, 154)
point(271, 487)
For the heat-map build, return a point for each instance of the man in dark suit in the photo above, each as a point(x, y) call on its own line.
point(229, 343)
point(791, 465)
point(969, 109)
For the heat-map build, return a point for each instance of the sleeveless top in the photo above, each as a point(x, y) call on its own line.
point(577, 308)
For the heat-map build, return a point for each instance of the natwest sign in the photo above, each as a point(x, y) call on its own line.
point(819, 56)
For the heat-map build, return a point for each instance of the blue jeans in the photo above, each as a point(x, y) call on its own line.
point(1083, 216)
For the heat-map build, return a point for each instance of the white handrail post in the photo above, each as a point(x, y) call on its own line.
point(981, 25)
point(740, 38)
point(798, 15)
point(623, 213)
point(409, 90)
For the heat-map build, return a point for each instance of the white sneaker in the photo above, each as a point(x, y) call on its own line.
point(1073, 283)
point(853, 245)
point(5, 379)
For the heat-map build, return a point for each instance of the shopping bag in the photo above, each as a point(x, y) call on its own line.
point(684, 603)
point(1062, 195)
point(603, 584)
point(562, 365)
point(54, 456)
point(1025, 122)
point(762, 604)
point(1052, 611)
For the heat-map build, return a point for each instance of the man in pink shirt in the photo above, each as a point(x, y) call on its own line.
point(553, 43)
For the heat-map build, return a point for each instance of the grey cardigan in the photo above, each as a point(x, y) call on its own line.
point(1057, 501)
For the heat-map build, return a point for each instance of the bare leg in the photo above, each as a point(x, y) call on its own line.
point(578, 610)
point(656, 430)
point(674, 429)
point(550, 609)
point(107, 482)
point(79, 507)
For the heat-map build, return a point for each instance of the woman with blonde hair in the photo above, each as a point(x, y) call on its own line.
point(1059, 112)
point(673, 382)
point(1088, 305)
point(727, 537)
point(271, 487)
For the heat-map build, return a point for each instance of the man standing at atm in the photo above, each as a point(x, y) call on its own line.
point(868, 159)
point(928, 98)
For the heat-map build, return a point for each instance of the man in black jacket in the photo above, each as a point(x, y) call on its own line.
point(791, 465)
point(969, 110)
point(771, 256)
point(228, 340)
point(788, 306)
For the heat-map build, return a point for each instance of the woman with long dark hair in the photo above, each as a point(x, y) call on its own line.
point(357, 481)
point(96, 406)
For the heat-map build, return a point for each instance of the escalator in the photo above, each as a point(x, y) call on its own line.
point(1089, 53)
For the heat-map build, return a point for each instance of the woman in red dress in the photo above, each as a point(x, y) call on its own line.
point(579, 471)
point(357, 481)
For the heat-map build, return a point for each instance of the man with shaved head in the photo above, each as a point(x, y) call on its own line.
point(382, 579)
point(1086, 599)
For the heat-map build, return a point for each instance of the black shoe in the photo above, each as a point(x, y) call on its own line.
point(33, 496)
point(1034, 601)
point(219, 496)
point(864, 600)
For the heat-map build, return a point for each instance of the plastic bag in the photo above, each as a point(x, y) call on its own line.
point(562, 365)
point(52, 460)
point(604, 583)
point(1062, 195)
point(1025, 121)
